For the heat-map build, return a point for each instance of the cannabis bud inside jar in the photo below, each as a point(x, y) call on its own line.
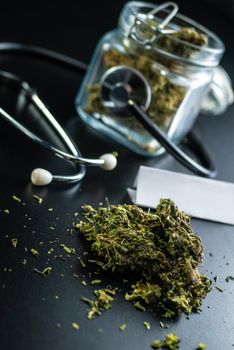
point(177, 61)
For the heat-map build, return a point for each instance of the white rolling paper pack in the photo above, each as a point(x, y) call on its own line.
point(199, 197)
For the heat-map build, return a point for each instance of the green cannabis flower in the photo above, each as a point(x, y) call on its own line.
point(171, 342)
point(160, 247)
point(166, 95)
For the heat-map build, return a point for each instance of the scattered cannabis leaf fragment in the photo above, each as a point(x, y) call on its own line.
point(75, 326)
point(219, 289)
point(67, 249)
point(45, 272)
point(50, 209)
point(14, 242)
point(229, 278)
point(138, 306)
point(171, 342)
point(147, 325)
point(96, 281)
point(39, 199)
point(159, 247)
point(34, 252)
point(6, 211)
point(17, 199)
point(201, 346)
point(116, 154)
point(84, 283)
point(50, 251)
point(163, 325)
point(104, 298)
point(82, 263)
point(216, 278)
point(122, 327)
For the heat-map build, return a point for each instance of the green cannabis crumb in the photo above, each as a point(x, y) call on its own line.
point(17, 199)
point(51, 228)
point(96, 281)
point(171, 342)
point(82, 262)
point(201, 346)
point(6, 211)
point(116, 154)
point(50, 209)
point(67, 249)
point(14, 242)
point(122, 327)
point(75, 326)
point(104, 298)
point(163, 325)
point(39, 199)
point(34, 252)
point(229, 278)
point(46, 271)
point(147, 325)
point(137, 305)
point(219, 289)
point(84, 283)
point(24, 262)
point(159, 247)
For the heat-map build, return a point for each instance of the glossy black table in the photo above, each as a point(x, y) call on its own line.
point(36, 312)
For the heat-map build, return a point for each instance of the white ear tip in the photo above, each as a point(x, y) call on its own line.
point(110, 161)
point(41, 177)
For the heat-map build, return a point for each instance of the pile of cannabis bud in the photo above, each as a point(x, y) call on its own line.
point(159, 248)
point(166, 95)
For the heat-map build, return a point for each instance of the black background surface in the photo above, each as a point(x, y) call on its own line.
point(29, 308)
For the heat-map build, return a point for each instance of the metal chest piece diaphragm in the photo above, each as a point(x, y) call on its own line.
point(121, 84)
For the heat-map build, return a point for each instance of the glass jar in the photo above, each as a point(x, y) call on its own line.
point(179, 66)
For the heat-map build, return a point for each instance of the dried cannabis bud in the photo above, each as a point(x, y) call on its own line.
point(160, 248)
point(171, 342)
point(166, 96)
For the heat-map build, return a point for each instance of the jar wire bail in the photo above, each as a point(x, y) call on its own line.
point(154, 28)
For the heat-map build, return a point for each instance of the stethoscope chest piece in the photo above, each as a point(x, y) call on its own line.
point(120, 84)
point(125, 92)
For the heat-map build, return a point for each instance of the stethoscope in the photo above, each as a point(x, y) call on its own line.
point(124, 92)
point(39, 176)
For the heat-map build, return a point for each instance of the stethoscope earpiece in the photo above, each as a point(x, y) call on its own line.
point(42, 177)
